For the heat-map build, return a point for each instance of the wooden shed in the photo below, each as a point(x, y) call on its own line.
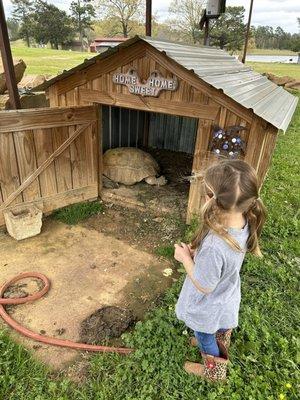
point(144, 93)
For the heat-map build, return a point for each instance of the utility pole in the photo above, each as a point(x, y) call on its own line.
point(247, 33)
point(148, 17)
point(206, 32)
point(7, 62)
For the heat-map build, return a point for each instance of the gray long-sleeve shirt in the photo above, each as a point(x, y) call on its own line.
point(217, 267)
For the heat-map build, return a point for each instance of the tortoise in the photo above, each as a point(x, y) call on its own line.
point(129, 165)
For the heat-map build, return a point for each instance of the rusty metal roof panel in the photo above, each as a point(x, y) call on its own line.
point(238, 81)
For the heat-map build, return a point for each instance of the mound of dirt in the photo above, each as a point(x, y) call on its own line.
point(106, 323)
point(285, 81)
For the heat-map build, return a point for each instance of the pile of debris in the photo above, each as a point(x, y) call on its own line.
point(26, 85)
point(285, 81)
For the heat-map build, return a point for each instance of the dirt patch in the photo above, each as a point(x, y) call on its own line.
point(106, 323)
point(145, 231)
point(88, 270)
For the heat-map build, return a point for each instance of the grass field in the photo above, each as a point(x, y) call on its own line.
point(272, 52)
point(48, 61)
point(265, 348)
point(279, 69)
point(52, 62)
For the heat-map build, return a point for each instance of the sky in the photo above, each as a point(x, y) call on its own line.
point(275, 13)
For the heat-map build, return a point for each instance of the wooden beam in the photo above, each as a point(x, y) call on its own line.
point(12, 121)
point(200, 162)
point(152, 104)
point(7, 61)
point(42, 167)
point(59, 200)
point(100, 149)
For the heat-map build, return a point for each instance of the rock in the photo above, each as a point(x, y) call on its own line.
point(285, 81)
point(32, 100)
point(4, 102)
point(23, 222)
point(295, 84)
point(32, 81)
point(20, 67)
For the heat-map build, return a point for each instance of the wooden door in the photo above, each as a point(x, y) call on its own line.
point(49, 156)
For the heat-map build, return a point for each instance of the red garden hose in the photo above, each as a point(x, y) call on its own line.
point(35, 336)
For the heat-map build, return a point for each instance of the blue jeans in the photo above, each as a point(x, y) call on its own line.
point(207, 342)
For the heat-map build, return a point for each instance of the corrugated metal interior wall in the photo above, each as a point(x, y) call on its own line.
point(123, 128)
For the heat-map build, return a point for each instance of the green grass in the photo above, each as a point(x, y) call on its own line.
point(77, 212)
point(279, 69)
point(48, 61)
point(165, 251)
point(265, 347)
point(272, 52)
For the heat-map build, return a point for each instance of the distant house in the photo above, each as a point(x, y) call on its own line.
point(102, 44)
point(75, 45)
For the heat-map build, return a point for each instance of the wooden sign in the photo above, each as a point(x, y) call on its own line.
point(151, 87)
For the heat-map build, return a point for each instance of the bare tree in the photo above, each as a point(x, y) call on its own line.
point(125, 11)
point(187, 15)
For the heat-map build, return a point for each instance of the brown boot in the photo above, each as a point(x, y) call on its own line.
point(224, 338)
point(213, 368)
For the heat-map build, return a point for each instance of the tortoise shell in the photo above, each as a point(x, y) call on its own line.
point(129, 165)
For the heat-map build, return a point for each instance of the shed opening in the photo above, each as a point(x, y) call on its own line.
point(169, 139)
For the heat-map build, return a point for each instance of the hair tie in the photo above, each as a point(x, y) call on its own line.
point(258, 198)
point(214, 197)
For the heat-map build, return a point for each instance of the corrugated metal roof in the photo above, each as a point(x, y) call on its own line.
point(222, 71)
point(238, 81)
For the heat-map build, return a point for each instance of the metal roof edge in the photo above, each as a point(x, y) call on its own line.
point(260, 108)
point(45, 85)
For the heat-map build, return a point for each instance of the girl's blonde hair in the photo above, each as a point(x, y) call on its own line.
point(232, 184)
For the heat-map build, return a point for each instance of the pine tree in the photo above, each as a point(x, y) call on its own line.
point(23, 12)
point(51, 25)
point(83, 13)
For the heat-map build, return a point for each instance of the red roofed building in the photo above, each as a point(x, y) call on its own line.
point(102, 44)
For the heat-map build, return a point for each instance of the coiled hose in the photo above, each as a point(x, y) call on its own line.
point(42, 338)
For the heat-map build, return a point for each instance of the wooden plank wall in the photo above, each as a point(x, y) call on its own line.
point(193, 98)
point(71, 177)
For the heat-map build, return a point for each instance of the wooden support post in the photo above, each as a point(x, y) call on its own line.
point(100, 149)
point(200, 162)
point(7, 61)
point(148, 17)
point(247, 33)
point(206, 32)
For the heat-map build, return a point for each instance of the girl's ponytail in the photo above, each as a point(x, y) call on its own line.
point(256, 216)
point(233, 185)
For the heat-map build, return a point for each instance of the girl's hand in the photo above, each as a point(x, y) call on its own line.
point(192, 251)
point(182, 253)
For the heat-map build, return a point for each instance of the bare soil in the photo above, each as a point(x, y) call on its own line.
point(88, 270)
point(106, 323)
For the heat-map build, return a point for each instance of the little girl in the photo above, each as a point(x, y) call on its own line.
point(233, 217)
